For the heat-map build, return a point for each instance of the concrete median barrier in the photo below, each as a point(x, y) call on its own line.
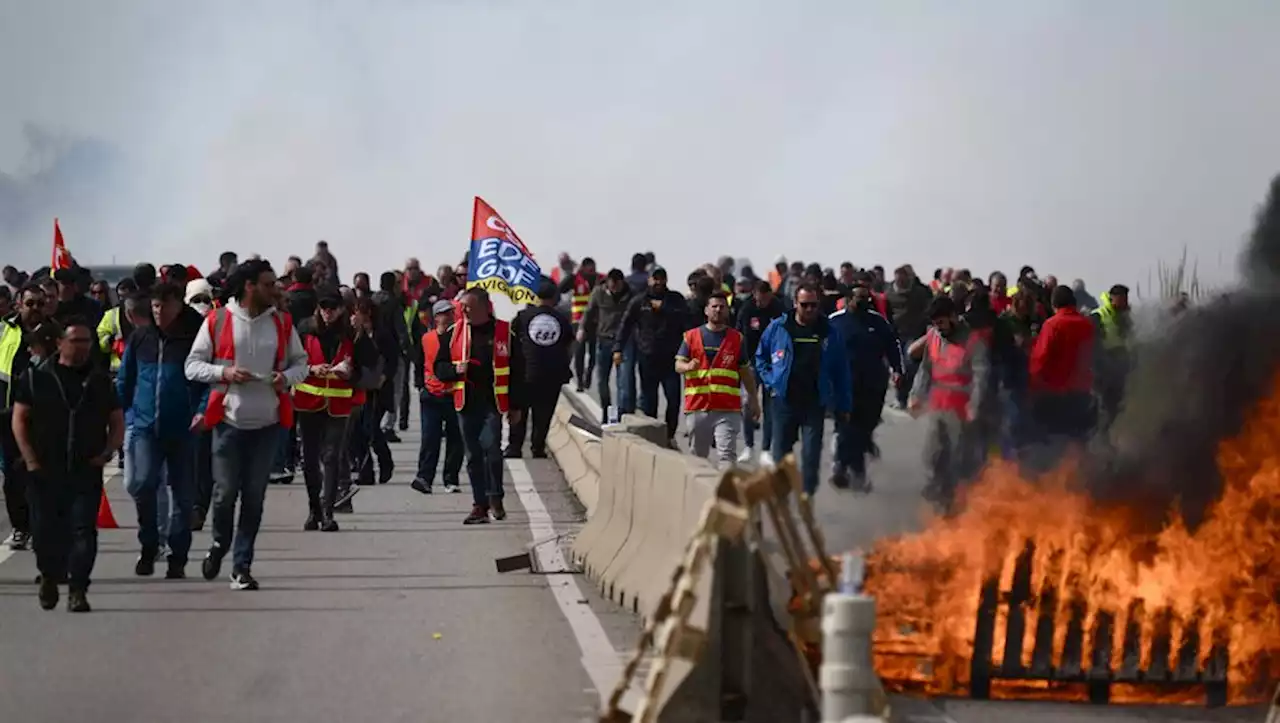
point(577, 454)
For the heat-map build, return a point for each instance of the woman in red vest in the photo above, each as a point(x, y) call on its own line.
point(324, 402)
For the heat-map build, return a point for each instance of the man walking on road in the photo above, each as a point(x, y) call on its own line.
point(491, 369)
point(251, 355)
point(163, 410)
point(802, 361)
point(656, 321)
point(715, 369)
point(68, 425)
point(580, 286)
point(546, 340)
point(757, 312)
point(608, 303)
point(15, 357)
point(439, 420)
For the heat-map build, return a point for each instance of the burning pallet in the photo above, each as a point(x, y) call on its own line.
point(1088, 656)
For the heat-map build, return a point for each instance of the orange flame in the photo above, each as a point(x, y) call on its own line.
point(1224, 576)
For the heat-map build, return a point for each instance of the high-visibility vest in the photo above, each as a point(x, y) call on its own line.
point(219, 322)
point(10, 343)
point(715, 386)
point(325, 393)
point(581, 296)
point(952, 377)
point(460, 350)
point(111, 336)
point(1109, 323)
point(410, 311)
point(430, 350)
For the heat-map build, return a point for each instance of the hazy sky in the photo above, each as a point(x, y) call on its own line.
point(1087, 138)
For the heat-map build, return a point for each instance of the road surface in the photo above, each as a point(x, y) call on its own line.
point(398, 617)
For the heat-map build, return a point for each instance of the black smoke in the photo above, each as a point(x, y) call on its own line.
point(1194, 385)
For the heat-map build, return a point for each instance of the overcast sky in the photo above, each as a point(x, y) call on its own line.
point(1087, 138)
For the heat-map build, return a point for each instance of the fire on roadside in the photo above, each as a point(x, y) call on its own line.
point(1222, 578)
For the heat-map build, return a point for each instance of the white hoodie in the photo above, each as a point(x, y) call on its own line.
point(252, 404)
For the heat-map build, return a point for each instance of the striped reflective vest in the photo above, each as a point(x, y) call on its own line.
point(460, 350)
point(325, 393)
point(430, 350)
point(581, 296)
point(10, 343)
point(715, 386)
point(951, 381)
point(219, 323)
point(111, 336)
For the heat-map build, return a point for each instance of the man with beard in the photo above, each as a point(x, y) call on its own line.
point(715, 371)
point(15, 357)
point(604, 314)
point(949, 388)
point(656, 322)
point(875, 357)
point(908, 302)
point(72, 303)
point(1112, 360)
point(756, 313)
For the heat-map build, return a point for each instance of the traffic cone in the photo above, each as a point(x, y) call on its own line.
point(106, 520)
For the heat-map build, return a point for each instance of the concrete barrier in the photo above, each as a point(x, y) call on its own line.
point(577, 454)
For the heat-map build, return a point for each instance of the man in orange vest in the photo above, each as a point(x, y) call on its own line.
point(579, 287)
point(483, 356)
point(439, 420)
point(250, 354)
point(715, 368)
point(950, 385)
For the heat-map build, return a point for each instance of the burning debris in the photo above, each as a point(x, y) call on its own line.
point(1146, 571)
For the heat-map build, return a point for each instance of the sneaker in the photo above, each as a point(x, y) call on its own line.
point(48, 594)
point(541, 454)
point(146, 564)
point(746, 455)
point(242, 580)
point(479, 516)
point(392, 437)
point(77, 602)
point(212, 564)
point(18, 540)
point(766, 459)
point(404, 425)
point(176, 570)
point(420, 485)
point(840, 480)
point(329, 525)
point(385, 471)
point(345, 497)
point(495, 507)
point(345, 509)
point(452, 489)
point(313, 522)
point(511, 453)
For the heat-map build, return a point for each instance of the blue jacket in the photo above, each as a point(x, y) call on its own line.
point(773, 363)
point(152, 384)
point(872, 344)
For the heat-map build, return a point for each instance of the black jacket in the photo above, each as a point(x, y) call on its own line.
point(546, 340)
point(482, 348)
point(604, 312)
point(330, 337)
point(909, 310)
point(391, 316)
point(753, 320)
point(657, 322)
point(301, 302)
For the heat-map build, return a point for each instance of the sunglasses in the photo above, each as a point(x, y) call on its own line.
point(808, 304)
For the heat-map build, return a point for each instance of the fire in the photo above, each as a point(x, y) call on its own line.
point(1220, 581)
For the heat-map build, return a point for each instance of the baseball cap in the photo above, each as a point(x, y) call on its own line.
point(443, 306)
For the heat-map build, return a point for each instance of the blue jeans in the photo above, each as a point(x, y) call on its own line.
point(765, 424)
point(132, 486)
point(151, 460)
point(805, 425)
point(439, 424)
point(482, 435)
point(242, 460)
point(627, 380)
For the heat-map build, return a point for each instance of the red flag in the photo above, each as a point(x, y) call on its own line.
point(61, 257)
point(488, 223)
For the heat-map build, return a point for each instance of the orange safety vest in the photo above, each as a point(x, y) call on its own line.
point(715, 386)
point(581, 297)
point(460, 350)
point(430, 350)
point(224, 351)
point(328, 393)
point(952, 378)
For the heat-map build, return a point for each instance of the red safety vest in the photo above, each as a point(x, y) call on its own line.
point(460, 350)
point(581, 297)
point(329, 393)
point(952, 378)
point(715, 386)
point(430, 350)
point(224, 349)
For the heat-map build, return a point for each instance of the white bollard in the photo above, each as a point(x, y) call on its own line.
point(847, 678)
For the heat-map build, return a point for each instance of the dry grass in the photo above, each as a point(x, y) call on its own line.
point(1173, 280)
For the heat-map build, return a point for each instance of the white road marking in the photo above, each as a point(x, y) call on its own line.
point(5, 554)
point(599, 658)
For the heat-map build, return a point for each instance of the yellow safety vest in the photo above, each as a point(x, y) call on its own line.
point(109, 332)
point(10, 343)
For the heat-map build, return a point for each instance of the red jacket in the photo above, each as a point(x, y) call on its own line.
point(1062, 358)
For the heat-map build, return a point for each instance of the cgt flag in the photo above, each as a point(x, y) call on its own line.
point(61, 257)
point(499, 260)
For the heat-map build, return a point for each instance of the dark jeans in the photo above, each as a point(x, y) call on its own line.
point(482, 434)
point(323, 444)
point(368, 441)
point(855, 438)
point(439, 424)
point(402, 391)
point(627, 380)
point(15, 493)
point(242, 460)
point(204, 470)
point(581, 368)
point(286, 457)
point(148, 455)
point(604, 368)
point(910, 367)
point(64, 521)
point(805, 425)
point(765, 424)
point(542, 407)
point(656, 373)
